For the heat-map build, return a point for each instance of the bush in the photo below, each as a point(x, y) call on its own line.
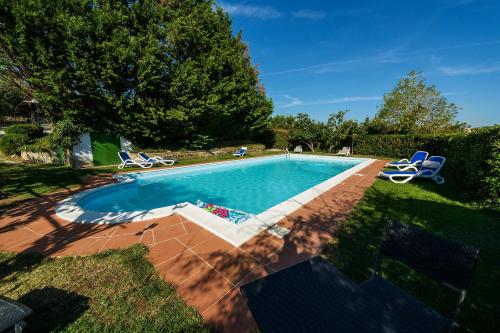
point(11, 144)
point(66, 133)
point(43, 144)
point(200, 142)
point(32, 131)
point(471, 157)
point(281, 138)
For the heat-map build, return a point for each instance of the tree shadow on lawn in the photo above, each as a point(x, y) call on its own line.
point(358, 239)
point(32, 181)
point(22, 262)
point(53, 308)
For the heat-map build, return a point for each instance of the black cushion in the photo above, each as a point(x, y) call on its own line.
point(313, 296)
point(443, 260)
point(11, 312)
point(405, 306)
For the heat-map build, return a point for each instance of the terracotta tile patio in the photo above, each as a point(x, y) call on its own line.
point(207, 270)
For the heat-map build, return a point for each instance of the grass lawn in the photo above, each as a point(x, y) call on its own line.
point(439, 209)
point(114, 291)
point(19, 182)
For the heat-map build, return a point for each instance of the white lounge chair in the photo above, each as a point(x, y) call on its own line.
point(241, 152)
point(416, 160)
point(298, 149)
point(128, 161)
point(156, 159)
point(346, 151)
point(429, 169)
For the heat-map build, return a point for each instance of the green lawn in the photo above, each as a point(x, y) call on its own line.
point(114, 291)
point(19, 182)
point(439, 209)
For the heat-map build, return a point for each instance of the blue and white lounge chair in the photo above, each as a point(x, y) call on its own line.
point(128, 161)
point(156, 159)
point(429, 169)
point(416, 160)
point(241, 152)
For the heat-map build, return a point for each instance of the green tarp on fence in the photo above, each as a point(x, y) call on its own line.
point(105, 148)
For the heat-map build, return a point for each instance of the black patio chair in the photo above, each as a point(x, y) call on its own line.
point(442, 260)
point(12, 314)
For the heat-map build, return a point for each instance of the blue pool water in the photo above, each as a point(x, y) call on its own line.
point(252, 186)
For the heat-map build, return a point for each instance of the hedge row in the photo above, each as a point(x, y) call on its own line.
point(470, 157)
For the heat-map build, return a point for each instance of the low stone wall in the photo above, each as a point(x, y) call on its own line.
point(187, 154)
point(40, 157)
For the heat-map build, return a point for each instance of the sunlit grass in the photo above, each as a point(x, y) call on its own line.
point(114, 291)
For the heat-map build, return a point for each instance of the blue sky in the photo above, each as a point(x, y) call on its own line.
point(323, 56)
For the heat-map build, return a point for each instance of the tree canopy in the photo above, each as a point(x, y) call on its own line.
point(413, 106)
point(155, 72)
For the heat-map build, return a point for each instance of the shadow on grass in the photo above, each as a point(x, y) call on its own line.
point(22, 263)
point(53, 308)
point(25, 181)
point(355, 248)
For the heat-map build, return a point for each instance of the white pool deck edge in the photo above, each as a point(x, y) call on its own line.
point(70, 210)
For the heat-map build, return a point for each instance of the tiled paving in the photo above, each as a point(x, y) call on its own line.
point(206, 269)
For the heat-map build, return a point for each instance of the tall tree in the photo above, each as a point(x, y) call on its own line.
point(156, 72)
point(413, 106)
point(282, 121)
point(335, 130)
point(306, 130)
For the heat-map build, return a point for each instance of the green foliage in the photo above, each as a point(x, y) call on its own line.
point(466, 156)
point(32, 131)
point(301, 129)
point(17, 136)
point(11, 144)
point(337, 130)
point(66, 133)
point(200, 142)
point(306, 130)
point(156, 72)
point(282, 121)
point(10, 97)
point(281, 138)
point(415, 107)
point(492, 179)
point(43, 144)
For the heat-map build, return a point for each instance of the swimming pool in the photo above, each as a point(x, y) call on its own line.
point(266, 188)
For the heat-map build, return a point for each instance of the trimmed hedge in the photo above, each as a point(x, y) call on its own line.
point(470, 157)
point(42, 145)
point(33, 131)
point(12, 144)
point(19, 135)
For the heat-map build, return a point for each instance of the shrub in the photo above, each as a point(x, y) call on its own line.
point(200, 142)
point(471, 158)
point(43, 144)
point(66, 133)
point(11, 144)
point(31, 130)
point(281, 138)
